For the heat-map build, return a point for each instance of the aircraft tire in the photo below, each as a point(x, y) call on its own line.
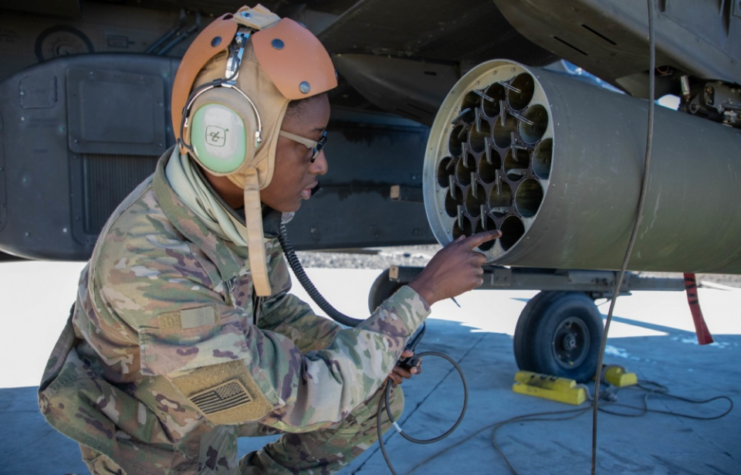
point(535, 305)
point(559, 335)
point(381, 289)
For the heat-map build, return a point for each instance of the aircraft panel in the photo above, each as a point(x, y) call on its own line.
point(28, 39)
point(468, 31)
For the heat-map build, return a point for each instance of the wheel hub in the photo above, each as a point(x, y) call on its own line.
point(571, 342)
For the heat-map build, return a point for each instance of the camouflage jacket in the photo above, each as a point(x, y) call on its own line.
point(166, 342)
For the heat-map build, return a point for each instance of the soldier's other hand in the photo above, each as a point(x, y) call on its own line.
point(399, 373)
point(455, 269)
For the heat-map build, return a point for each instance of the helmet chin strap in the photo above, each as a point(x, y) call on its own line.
point(255, 239)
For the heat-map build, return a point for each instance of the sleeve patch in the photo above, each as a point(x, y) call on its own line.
point(189, 318)
point(170, 321)
point(221, 398)
point(224, 393)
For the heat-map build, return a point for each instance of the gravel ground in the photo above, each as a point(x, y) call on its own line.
point(382, 257)
point(730, 280)
point(371, 258)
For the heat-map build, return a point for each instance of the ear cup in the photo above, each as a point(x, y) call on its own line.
point(221, 131)
point(218, 138)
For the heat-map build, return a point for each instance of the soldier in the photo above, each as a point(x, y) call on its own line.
point(183, 335)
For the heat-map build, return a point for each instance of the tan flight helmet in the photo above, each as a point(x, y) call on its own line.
point(229, 98)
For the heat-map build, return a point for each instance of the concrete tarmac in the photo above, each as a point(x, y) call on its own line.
point(652, 335)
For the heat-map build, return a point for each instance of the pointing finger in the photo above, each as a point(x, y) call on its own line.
point(479, 238)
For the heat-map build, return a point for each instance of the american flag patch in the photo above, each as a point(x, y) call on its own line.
point(224, 396)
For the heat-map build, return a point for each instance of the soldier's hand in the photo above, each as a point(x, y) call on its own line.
point(455, 269)
point(400, 373)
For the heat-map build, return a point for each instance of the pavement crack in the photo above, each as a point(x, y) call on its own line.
point(674, 468)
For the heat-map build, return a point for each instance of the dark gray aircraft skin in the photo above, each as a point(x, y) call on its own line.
point(85, 99)
point(85, 95)
point(87, 116)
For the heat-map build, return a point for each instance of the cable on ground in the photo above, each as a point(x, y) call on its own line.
point(609, 400)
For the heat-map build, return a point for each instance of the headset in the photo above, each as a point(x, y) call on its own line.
point(212, 122)
point(217, 132)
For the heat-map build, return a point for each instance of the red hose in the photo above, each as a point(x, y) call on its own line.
point(703, 334)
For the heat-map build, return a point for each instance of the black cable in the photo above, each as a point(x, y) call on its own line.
point(180, 37)
point(645, 409)
point(340, 317)
point(385, 401)
point(285, 243)
point(522, 418)
point(634, 232)
point(379, 429)
point(650, 387)
point(542, 417)
point(298, 270)
point(460, 417)
point(603, 407)
point(420, 403)
point(169, 34)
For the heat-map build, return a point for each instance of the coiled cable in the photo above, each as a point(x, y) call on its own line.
point(343, 319)
point(298, 270)
point(385, 402)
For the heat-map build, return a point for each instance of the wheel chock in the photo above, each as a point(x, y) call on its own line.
point(619, 377)
point(549, 387)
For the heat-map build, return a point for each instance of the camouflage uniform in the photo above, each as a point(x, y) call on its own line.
point(168, 357)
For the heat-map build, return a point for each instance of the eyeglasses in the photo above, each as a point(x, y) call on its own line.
point(316, 147)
